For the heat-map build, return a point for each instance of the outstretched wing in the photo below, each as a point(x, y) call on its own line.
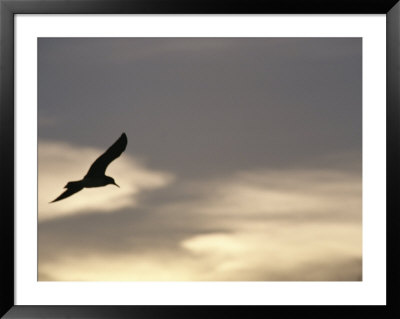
point(73, 187)
point(99, 166)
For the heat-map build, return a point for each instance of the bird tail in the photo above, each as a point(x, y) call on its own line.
point(72, 188)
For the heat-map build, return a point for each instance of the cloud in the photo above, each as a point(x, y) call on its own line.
point(60, 163)
point(47, 121)
point(276, 251)
point(278, 194)
point(253, 225)
point(125, 51)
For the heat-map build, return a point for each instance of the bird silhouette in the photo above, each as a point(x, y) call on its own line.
point(96, 176)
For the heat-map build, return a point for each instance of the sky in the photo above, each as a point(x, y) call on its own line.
point(243, 160)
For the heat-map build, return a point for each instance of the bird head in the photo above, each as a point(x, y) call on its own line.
point(111, 180)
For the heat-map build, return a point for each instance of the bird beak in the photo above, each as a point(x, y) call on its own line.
point(116, 184)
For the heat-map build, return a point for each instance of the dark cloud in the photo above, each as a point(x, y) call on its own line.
point(206, 106)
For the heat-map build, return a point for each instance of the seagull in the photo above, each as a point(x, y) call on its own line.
point(96, 176)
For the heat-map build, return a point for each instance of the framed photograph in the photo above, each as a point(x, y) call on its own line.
point(162, 159)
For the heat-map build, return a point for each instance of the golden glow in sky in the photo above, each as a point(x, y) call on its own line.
point(261, 225)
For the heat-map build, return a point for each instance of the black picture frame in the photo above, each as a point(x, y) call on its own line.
point(8, 8)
